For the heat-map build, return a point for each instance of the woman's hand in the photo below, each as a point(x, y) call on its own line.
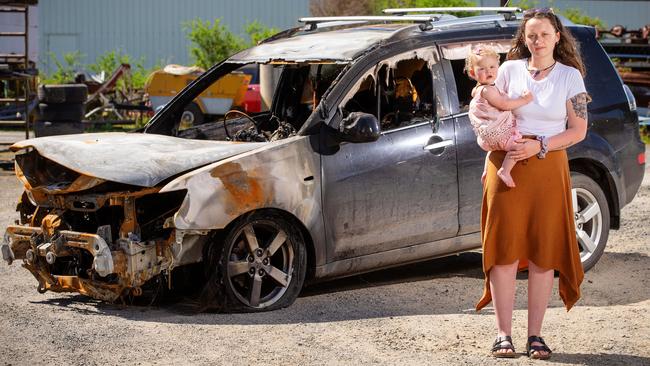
point(524, 149)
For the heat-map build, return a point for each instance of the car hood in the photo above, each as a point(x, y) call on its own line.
point(130, 158)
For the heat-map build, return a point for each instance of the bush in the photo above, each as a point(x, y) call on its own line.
point(577, 16)
point(65, 70)
point(109, 62)
point(257, 32)
point(212, 42)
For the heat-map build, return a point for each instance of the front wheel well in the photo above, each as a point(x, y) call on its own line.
point(309, 243)
point(599, 174)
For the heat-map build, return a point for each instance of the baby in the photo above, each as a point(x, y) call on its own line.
point(496, 127)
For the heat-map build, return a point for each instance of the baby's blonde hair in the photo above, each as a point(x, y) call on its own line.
point(476, 52)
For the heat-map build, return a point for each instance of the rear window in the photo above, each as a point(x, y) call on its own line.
point(602, 81)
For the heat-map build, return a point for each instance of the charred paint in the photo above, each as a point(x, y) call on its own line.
point(244, 189)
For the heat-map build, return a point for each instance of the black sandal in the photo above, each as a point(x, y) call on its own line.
point(500, 343)
point(533, 351)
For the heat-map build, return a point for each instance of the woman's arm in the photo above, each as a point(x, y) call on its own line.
point(576, 126)
point(575, 132)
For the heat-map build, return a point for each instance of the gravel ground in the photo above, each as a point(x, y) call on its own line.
point(418, 314)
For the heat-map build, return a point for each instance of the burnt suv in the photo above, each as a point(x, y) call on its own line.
point(362, 158)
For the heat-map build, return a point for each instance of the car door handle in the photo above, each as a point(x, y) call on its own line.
point(435, 145)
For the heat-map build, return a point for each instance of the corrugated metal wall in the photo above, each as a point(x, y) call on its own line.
point(152, 29)
point(15, 22)
point(632, 14)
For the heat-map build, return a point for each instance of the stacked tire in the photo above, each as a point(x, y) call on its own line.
point(60, 109)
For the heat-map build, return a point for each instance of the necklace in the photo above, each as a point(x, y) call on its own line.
point(536, 72)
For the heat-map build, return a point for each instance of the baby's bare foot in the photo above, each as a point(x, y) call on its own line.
point(506, 178)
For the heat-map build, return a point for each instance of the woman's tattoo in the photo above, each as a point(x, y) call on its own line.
point(579, 103)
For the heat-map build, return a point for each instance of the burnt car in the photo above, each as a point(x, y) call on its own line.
point(365, 159)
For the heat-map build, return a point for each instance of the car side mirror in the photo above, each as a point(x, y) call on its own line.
point(359, 127)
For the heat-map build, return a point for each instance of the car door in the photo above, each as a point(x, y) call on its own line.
point(392, 193)
point(471, 157)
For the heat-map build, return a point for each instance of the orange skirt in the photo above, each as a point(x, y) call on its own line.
point(533, 221)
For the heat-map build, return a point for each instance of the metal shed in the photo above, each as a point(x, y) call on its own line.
point(149, 29)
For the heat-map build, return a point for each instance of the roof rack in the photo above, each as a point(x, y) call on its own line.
point(499, 19)
point(509, 12)
point(425, 20)
point(501, 9)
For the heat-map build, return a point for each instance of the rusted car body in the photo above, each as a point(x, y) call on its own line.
point(365, 160)
point(57, 173)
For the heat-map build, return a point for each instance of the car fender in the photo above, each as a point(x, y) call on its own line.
point(284, 175)
point(596, 150)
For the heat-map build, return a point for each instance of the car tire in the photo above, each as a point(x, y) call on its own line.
point(192, 116)
point(65, 93)
point(591, 218)
point(261, 264)
point(60, 112)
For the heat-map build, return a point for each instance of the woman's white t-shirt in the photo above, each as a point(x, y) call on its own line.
point(546, 115)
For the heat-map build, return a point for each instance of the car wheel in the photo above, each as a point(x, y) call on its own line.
point(262, 263)
point(192, 116)
point(591, 214)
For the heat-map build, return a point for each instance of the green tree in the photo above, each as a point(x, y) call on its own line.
point(257, 32)
point(213, 42)
point(575, 15)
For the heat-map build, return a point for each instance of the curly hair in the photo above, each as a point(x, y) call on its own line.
point(566, 51)
point(479, 50)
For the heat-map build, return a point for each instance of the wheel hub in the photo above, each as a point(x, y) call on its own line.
point(264, 256)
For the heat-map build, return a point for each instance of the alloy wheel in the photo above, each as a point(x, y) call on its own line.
point(260, 264)
point(588, 221)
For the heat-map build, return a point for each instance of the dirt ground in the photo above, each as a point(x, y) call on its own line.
point(418, 314)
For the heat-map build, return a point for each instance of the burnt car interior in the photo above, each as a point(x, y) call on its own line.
point(399, 94)
point(296, 94)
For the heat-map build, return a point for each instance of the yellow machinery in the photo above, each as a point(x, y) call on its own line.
point(225, 94)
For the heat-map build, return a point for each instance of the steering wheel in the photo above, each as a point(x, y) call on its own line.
point(235, 111)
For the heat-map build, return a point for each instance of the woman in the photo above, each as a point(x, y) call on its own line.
point(531, 226)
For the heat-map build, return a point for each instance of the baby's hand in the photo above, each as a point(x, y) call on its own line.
point(527, 96)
